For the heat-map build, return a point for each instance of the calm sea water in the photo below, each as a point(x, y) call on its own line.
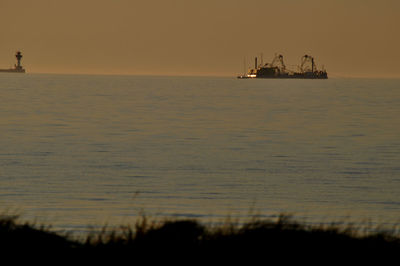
point(79, 151)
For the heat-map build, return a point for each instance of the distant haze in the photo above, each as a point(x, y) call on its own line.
point(357, 38)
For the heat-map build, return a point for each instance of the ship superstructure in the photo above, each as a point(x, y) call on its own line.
point(17, 67)
point(278, 69)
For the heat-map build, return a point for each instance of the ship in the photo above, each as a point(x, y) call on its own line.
point(278, 70)
point(17, 67)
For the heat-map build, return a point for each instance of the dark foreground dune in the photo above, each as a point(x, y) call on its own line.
point(283, 239)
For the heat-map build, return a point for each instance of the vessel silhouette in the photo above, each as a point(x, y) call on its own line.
point(277, 69)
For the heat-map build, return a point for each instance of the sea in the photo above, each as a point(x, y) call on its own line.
point(80, 152)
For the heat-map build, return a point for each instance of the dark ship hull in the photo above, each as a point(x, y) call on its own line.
point(315, 75)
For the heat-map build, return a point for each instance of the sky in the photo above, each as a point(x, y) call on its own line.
point(350, 38)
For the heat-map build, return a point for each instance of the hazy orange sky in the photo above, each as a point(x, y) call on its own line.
point(208, 37)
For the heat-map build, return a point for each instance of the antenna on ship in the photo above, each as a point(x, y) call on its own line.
point(244, 65)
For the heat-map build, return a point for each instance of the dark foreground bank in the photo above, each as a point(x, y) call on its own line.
point(283, 239)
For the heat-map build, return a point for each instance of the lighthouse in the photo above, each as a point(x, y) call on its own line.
point(18, 55)
point(17, 67)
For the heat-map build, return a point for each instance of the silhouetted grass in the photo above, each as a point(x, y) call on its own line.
point(283, 238)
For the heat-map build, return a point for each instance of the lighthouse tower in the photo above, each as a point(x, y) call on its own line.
point(18, 55)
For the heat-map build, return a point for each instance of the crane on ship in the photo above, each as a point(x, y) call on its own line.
point(304, 67)
point(278, 62)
